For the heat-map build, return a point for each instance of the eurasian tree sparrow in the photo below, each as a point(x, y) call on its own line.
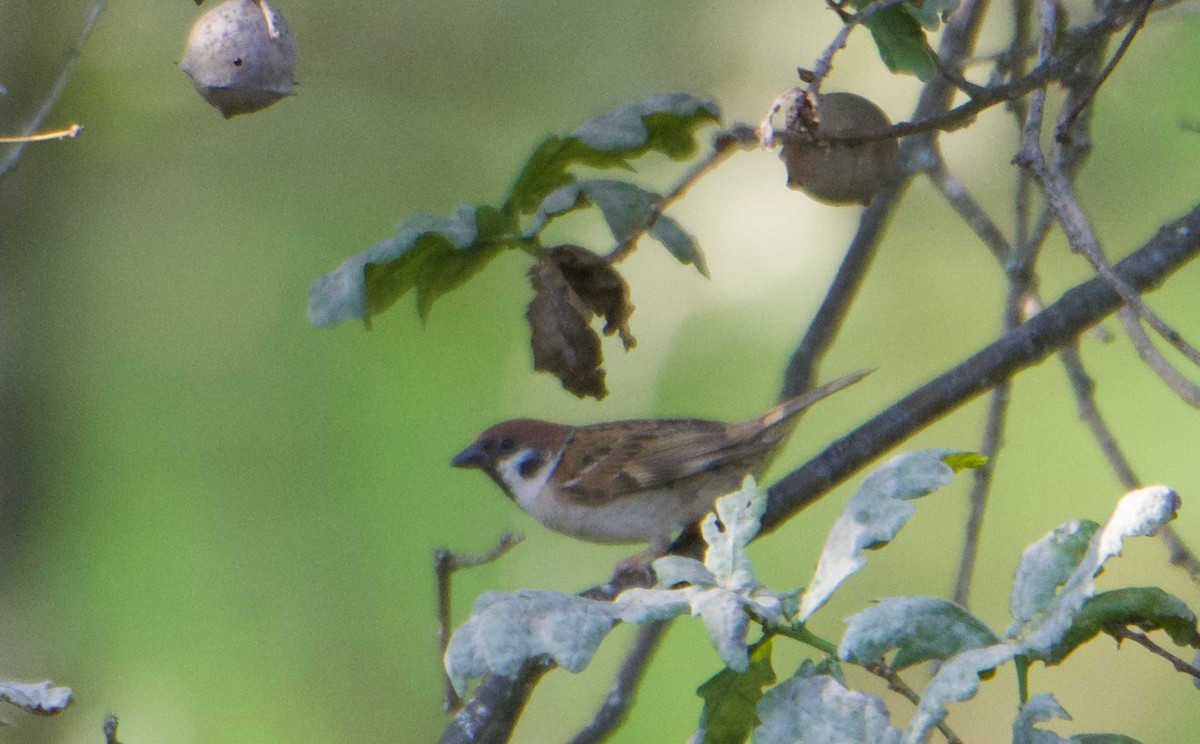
point(632, 481)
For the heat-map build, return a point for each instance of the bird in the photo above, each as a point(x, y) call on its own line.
point(633, 481)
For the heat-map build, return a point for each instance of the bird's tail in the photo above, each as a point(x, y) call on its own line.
point(793, 406)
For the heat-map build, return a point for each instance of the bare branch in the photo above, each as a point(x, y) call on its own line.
point(1142, 639)
point(445, 563)
point(1084, 387)
point(898, 685)
point(724, 145)
point(1175, 244)
point(39, 117)
point(615, 708)
point(1187, 390)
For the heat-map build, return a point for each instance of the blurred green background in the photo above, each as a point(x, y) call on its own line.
point(218, 522)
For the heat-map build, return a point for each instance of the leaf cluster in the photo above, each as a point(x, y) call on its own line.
point(432, 255)
point(1055, 605)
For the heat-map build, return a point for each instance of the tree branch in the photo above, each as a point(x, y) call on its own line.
point(1175, 244)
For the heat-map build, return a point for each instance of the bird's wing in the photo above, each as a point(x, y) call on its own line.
point(622, 458)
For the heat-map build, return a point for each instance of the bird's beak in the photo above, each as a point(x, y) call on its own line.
point(471, 457)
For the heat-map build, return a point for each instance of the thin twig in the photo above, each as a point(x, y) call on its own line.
point(445, 563)
point(824, 63)
point(1060, 323)
point(898, 685)
point(1187, 391)
point(57, 134)
point(724, 145)
point(957, 41)
point(1141, 638)
point(60, 83)
point(1084, 388)
point(1062, 132)
point(1061, 197)
point(615, 708)
point(955, 192)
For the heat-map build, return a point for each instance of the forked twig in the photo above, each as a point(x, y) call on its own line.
point(445, 563)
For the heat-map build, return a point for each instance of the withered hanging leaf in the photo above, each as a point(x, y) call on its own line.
point(599, 286)
point(572, 284)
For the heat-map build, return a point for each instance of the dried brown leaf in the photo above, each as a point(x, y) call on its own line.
point(599, 286)
point(572, 285)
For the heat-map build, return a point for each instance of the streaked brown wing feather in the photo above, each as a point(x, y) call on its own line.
point(629, 456)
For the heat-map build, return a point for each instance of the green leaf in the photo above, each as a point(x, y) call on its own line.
point(679, 243)
point(1039, 709)
point(920, 628)
point(626, 208)
point(1045, 566)
point(901, 42)
point(957, 680)
point(819, 710)
point(1149, 608)
point(929, 13)
point(878, 510)
point(429, 253)
point(1044, 707)
point(506, 630)
point(731, 698)
point(664, 123)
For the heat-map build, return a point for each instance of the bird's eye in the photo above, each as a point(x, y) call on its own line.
point(506, 445)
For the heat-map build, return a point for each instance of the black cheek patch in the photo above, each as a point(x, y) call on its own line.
point(530, 464)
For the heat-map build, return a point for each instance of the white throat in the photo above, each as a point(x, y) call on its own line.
point(526, 487)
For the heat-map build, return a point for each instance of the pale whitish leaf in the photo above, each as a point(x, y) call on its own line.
point(42, 698)
point(506, 630)
point(1045, 566)
point(739, 514)
point(724, 616)
point(872, 518)
point(1138, 513)
point(819, 710)
point(1039, 709)
point(638, 605)
point(957, 680)
point(723, 592)
point(676, 569)
point(920, 628)
point(624, 128)
point(1044, 707)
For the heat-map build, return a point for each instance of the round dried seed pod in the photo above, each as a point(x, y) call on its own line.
point(832, 173)
point(241, 56)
